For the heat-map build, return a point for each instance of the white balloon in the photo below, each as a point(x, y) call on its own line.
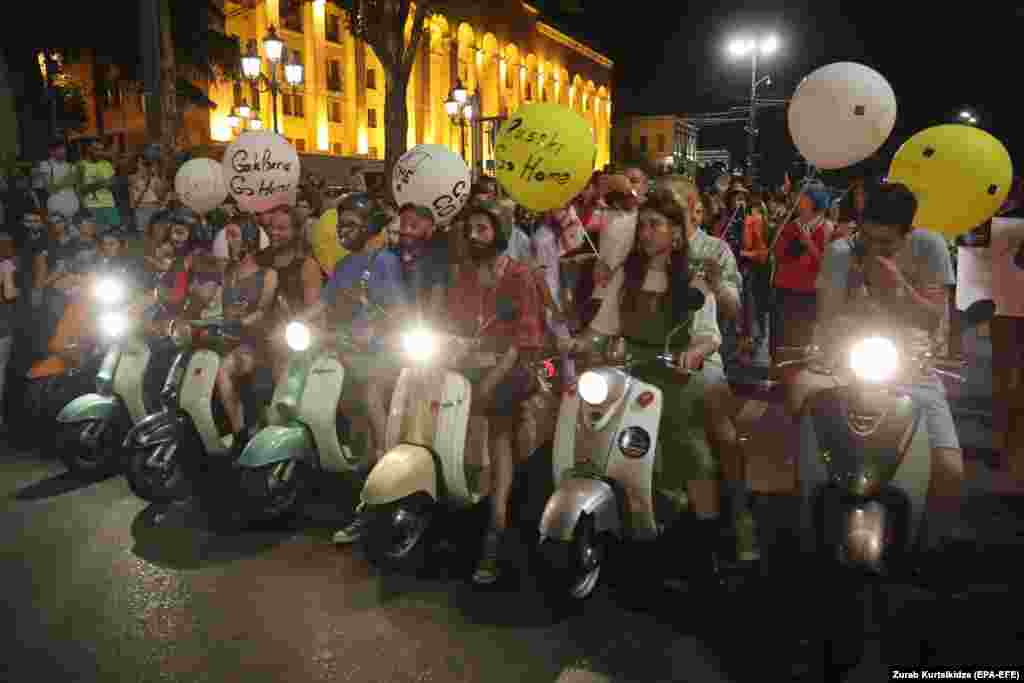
point(64, 203)
point(432, 176)
point(841, 114)
point(262, 171)
point(199, 185)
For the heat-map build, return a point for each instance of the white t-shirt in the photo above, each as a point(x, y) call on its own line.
point(50, 171)
point(220, 244)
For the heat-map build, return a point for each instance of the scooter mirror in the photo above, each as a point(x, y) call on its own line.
point(980, 312)
point(694, 299)
point(506, 309)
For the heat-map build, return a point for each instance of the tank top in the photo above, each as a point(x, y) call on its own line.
point(247, 290)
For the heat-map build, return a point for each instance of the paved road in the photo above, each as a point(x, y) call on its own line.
point(99, 587)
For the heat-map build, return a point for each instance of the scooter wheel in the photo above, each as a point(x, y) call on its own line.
point(398, 537)
point(274, 492)
point(155, 473)
point(89, 448)
point(572, 570)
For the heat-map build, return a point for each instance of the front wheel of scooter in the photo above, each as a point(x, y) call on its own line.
point(274, 492)
point(89, 448)
point(398, 537)
point(155, 473)
point(572, 570)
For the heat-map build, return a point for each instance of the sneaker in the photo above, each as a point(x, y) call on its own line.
point(355, 530)
point(487, 570)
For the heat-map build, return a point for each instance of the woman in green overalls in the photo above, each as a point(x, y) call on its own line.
point(652, 316)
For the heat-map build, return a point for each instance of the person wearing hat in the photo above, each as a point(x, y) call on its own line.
point(365, 284)
point(95, 180)
point(425, 264)
point(798, 252)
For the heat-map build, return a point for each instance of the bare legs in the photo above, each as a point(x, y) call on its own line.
point(238, 365)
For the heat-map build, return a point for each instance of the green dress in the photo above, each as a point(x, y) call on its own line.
point(683, 453)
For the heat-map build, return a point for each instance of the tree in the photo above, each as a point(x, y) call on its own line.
point(381, 25)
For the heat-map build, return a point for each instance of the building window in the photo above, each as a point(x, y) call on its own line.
point(643, 144)
point(334, 112)
point(334, 75)
point(371, 118)
point(332, 28)
point(298, 55)
point(543, 94)
point(661, 144)
point(291, 15)
point(371, 79)
point(509, 83)
point(254, 95)
point(336, 149)
point(286, 104)
point(237, 92)
point(373, 154)
point(300, 145)
point(529, 91)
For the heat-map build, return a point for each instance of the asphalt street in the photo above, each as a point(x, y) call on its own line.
point(99, 586)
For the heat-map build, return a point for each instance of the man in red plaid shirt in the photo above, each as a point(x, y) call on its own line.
point(473, 306)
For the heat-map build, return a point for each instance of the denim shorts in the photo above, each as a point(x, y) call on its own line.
point(938, 418)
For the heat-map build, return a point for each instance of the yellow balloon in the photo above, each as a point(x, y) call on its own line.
point(960, 175)
point(326, 248)
point(545, 156)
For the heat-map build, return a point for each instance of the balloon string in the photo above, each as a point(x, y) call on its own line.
point(792, 209)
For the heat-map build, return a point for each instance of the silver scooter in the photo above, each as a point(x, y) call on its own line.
point(605, 453)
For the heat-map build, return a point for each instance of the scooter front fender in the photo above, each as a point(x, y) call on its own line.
point(153, 429)
point(575, 497)
point(277, 444)
point(89, 407)
point(404, 470)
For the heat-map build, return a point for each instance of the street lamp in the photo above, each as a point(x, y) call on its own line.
point(743, 47)
point(252, 67)
point(461, 107)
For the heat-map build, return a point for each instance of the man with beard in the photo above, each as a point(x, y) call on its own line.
point(365, 282)
point(424, 265)
point(473, 306)
point(248, 297)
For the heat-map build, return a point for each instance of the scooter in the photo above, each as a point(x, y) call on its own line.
point(864, 471)
point(173, 449)
point(306, 434)
point(436, 457)
point(605, 455)
point(92, 426)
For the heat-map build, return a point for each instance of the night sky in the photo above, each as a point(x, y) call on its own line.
point(670, 58)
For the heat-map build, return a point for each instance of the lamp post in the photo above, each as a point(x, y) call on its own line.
point(743, 47)
point(462, 108)
point(968, 117)
point(252, 67)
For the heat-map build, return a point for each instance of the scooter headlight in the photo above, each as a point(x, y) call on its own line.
point(109, 291)
point(593, 388)
point(420, 345)
point(875, 359)
point(113, 325)
point(298, 336)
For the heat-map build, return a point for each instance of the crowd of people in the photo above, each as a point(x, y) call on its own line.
point(617, 261)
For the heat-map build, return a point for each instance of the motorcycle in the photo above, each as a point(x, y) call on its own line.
point(172, 449)
point(605, 454)
point(864, 471)
point(92, 426)
point(306, 434)
point(436, 454)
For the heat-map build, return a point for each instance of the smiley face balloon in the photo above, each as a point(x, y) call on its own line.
point(960, 175)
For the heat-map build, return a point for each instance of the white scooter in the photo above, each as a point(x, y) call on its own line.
point(606, 448)
point(91, 427)
point(436, 453)
point(305, 434)
point(172, 450)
